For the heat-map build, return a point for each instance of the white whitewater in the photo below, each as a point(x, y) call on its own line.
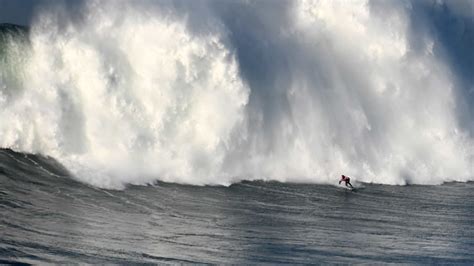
point(132, 93)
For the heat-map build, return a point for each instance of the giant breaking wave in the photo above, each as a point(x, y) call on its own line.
point(213, 93)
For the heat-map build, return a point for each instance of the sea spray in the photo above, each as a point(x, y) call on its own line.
point(125, 100)
point(134, 92)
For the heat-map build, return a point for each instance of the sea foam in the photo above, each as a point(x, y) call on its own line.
point(132, 92)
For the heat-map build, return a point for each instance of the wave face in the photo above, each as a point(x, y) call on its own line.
point(214, 93)
point(247, 223)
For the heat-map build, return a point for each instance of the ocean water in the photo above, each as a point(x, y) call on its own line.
point(47, 217)
point(214, 131)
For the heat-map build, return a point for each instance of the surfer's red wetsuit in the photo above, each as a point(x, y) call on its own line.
point(347, 180)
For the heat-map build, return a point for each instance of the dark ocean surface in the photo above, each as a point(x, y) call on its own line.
point(48, 217)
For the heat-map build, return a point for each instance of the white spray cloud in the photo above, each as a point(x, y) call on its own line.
point(392, 109)
point(131, 92)
point(122, 98)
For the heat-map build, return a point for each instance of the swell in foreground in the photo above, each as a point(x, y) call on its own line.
point(62, 221)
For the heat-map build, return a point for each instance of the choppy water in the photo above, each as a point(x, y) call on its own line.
point(47, 217)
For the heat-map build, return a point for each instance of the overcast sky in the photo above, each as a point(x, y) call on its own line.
point(17, 12)
point(22, 12)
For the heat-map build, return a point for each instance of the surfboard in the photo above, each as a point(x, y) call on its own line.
point(349, 188)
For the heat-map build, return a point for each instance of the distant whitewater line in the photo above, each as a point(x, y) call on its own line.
point(135, 92)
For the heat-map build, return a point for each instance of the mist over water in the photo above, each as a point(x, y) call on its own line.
point(129, 92)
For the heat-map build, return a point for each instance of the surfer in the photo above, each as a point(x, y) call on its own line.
point(347, 180)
